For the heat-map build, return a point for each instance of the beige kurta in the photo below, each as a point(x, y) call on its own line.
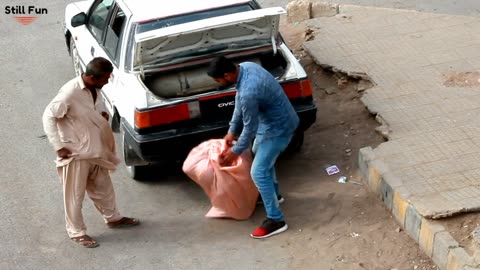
point(73, 121)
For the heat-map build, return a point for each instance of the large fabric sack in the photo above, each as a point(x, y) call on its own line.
point(230, 188)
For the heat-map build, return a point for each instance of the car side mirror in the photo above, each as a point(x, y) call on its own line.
point(79, 19)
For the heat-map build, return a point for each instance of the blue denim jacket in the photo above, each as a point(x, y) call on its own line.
point(262, 109)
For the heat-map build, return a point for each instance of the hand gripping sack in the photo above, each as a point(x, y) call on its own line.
point(231, 189)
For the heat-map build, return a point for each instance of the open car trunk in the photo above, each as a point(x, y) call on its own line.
point(192, 80)
point(173, 60)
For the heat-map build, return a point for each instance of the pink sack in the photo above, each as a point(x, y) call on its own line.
point(230, 188)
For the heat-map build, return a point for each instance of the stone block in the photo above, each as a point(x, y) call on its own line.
point(299, 10)
point(365, 156)
point(413, 222)
point(376, 169)
point(443, 243)
point(399, 207)
point(427, 236)
point(386, 193)
point(458, 259)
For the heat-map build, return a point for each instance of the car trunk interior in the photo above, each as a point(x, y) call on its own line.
point(192, 79)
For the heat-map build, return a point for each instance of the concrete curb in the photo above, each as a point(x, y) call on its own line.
point(341, 54)
point(431, 236)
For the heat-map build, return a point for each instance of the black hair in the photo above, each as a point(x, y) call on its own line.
point(219, 66)
point(98, 67)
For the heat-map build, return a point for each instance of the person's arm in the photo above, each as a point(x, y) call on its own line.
point(250, 124)
point(236, 124)
point(55, 110)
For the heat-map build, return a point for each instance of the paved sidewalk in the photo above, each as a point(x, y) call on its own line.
point(430, 167)
point(458, 7)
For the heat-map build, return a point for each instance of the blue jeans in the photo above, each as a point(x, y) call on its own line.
point(263, 173)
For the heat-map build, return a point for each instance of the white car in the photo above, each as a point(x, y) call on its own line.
point(160, 95)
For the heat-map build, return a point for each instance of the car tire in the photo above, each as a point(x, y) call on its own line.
point(77, 66)
point(115, 121)
point(296, 143)
point(138, 173)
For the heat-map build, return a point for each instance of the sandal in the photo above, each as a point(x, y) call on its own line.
point(123, 223)
point(85, 241)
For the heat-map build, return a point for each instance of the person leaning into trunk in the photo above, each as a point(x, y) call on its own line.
point(262, 111)
point(76, 124)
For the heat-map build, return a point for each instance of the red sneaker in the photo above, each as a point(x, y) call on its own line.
point(269, 227)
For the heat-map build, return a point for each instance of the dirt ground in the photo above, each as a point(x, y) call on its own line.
point(348, 227)
point(462, 79)
point(461, 228)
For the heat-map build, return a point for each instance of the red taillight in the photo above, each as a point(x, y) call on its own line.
point(161, 116)
point(297, 89)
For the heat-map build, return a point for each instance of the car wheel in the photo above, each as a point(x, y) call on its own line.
point(296, 143)
point(77, 67)
point(136, 172)
point(115, 121)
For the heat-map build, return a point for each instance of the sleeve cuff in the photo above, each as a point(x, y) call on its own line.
point(237, 151)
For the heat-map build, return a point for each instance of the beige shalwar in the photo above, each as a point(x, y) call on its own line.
point(73, 121)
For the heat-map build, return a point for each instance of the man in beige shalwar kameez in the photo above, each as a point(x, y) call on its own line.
point(76, 123)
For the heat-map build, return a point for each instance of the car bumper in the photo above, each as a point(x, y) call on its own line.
point(172, 144)
point(175, 144)
point(307, 115)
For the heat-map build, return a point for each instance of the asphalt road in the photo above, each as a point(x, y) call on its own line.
point(174, 233)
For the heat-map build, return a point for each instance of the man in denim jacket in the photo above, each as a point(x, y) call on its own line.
point(264, 113)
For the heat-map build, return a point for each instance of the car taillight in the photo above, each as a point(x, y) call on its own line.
point(297, 89)
point(166, 115)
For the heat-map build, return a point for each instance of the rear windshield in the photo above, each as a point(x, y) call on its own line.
point(185, 18)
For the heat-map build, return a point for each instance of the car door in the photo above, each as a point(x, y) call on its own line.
point(90, 37)
point(111, 46)
point(102, 38)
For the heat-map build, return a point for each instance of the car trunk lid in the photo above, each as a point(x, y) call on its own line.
point(194, 40)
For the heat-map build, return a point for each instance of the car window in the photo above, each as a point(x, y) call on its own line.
point(166, 22)
point(97, 18)
point(114, 31)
